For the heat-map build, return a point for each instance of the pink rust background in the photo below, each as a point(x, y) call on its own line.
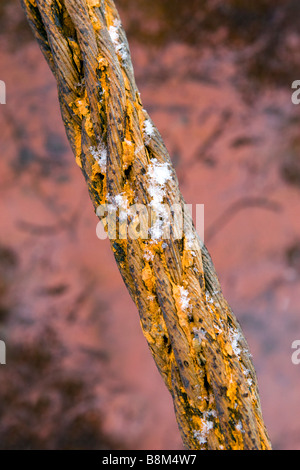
point(79, 374)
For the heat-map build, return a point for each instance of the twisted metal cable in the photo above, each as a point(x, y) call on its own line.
point(196, 342)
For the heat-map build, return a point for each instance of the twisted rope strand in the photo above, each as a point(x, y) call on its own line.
point(198, 346)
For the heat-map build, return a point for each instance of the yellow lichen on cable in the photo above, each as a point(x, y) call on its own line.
point(195, 340)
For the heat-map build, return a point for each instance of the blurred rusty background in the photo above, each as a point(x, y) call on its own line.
point(216, 79)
